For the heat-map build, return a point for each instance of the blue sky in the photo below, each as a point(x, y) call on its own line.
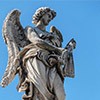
point(75, 19)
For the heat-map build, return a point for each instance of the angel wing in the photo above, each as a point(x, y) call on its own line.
point(53, 29)
point(14, 38)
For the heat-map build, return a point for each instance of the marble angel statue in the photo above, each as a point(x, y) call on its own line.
point(37, 56)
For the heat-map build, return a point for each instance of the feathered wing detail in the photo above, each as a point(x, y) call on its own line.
point(53, 29)
point(14, 38)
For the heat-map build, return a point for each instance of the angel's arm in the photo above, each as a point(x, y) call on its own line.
point(34, 38)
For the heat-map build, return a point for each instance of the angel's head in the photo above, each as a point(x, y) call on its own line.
point(44, 14)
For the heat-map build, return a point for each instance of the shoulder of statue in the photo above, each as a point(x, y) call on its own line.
point(28, 30)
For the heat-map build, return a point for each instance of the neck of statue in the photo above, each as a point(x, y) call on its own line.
point(41, 26)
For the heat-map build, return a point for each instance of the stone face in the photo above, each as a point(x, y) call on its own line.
point(37, 56)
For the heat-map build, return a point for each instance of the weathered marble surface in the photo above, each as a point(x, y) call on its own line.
point(37, 56)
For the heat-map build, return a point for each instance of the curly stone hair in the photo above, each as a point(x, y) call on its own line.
point(40, 12)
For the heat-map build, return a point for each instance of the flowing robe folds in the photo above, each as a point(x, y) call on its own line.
point(47, 83)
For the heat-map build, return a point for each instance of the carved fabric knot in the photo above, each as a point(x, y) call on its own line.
point(48, 59)
point(52, 60)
